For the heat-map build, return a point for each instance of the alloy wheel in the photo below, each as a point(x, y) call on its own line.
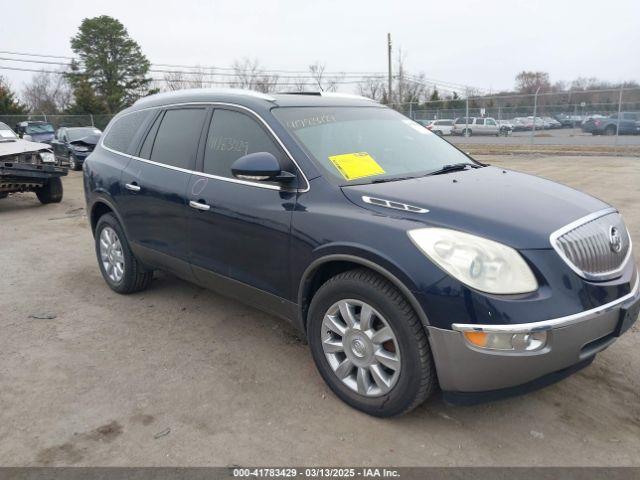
point(111, 254)
point(361, 347)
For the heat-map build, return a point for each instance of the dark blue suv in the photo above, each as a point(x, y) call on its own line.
point(406, 264)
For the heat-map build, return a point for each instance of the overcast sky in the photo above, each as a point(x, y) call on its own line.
point(483, 43)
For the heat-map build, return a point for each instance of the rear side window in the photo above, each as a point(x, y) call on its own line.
point(123, 130)
point(463, 120)
point(445, 122)
point(231, 136)
point(479, 121)
point(176, 143)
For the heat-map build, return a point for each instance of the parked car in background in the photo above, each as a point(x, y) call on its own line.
point(402, 261)
point(27, 166)
point(440, 127)
point(627, 124)
point(520, 124)
point(35, 131)
point(72, 145)
point(475, 126)
point(506, 127)
point(552, 122)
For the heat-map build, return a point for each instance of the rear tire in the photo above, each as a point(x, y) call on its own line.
point(407, 385)
point(131, 276)
point(50, 192)
point(466, 132)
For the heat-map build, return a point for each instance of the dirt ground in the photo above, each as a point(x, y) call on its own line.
point(180, 376)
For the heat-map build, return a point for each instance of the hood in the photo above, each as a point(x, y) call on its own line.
point(21, 146)
point(89, 140)
point(513, 208)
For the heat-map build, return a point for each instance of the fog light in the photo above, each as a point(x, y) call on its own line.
point(517, 342)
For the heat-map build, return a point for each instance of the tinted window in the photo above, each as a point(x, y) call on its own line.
point(78, 133)
point(231, 136)
point(463, 120)
point(176, 143)
point(479, 121)
point(490, 121)
point(446, 122)
point(147, 145)
point(123, 130)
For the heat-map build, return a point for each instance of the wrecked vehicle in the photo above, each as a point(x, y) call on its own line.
point(35, 131)
point(29, 167)
point(72, 145)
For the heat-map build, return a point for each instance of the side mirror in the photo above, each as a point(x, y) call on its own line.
point(260, 166)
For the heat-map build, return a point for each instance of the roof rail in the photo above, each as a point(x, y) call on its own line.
point(329, 95)
point(221, 91)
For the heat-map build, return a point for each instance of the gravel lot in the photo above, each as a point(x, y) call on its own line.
point(178, 375)
point(562, 136)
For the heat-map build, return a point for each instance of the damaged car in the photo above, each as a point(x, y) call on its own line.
point(29, 167)
point(72, 145)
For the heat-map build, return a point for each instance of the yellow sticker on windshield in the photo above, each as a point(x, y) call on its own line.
point(356, 165)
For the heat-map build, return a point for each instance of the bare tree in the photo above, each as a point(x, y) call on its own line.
point(324, 83)
point(374, 88)
point(198, 78)
point(47, 92)
point(248, 74)
point(530, 82)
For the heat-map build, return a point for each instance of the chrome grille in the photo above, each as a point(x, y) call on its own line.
point(596, 247)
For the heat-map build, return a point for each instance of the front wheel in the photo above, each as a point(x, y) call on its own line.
point(73, 165)
point(50, 192)
point(369, 345)
point(610, 131)
point(120, 269)
point(466, 132)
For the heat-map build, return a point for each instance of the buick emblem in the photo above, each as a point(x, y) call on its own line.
point(615, 240)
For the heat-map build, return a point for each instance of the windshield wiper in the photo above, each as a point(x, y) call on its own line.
point(455, 167)
point(391, 179)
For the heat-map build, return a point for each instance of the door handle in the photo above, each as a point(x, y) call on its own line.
point(134, 187)
point(199, 205)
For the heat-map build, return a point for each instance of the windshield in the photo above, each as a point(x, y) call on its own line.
point(352, 144)
point(78, 133)
point(6, 132)
point(39, 128)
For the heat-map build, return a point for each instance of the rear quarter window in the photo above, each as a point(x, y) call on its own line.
point(123, 131)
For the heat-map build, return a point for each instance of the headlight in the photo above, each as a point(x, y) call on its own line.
point(80, 148)
point(480, 263)
point(47, 157)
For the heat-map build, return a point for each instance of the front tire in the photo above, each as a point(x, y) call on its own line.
point(73, 165)
point(119, 267)
point(610, 131)
point(50, 192)
point(369, 345)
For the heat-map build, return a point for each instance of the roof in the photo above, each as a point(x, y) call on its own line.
point(253, 99)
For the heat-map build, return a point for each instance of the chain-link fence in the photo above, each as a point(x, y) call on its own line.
point(585, 121)
point(596, 120)
point(60, 120)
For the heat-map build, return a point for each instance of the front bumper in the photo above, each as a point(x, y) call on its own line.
point(571, 341)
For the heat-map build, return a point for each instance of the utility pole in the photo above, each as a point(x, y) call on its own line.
point(535, 110)
point(389, 63)
point(615, 143)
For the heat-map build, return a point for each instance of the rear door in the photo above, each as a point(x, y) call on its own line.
point(239, 230)
point(156, 183)
point(479, 127)
point(491, 127)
